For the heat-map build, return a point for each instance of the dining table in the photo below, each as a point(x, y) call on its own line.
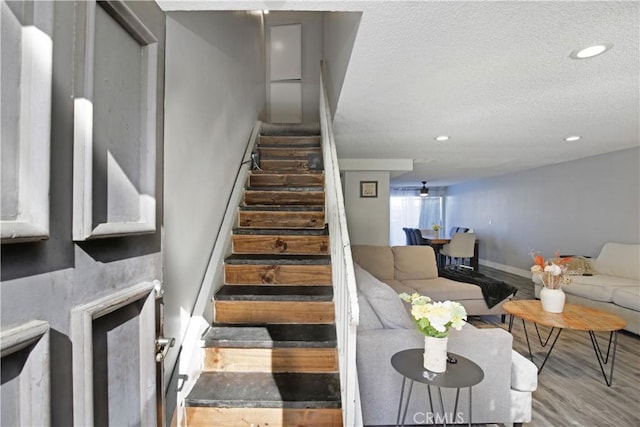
point(437, 240)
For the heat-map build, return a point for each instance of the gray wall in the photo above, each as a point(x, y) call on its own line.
point(340, 30)
point(214, 94)
point(45, 280)
point(367, 218)
point(575, 207)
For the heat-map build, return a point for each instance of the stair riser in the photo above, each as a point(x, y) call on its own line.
point(289, 140)
point(291, 180)
point(262, 417)
point(281, 219)
point(287, 151)
point(271, 359)
point(249, 312)
point(310, 198)
point(243, 274)
point(293, 245)
point(284, 165)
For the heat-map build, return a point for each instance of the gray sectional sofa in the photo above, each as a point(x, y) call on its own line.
point(614, 285)
point(504, 395)
point(413, 269)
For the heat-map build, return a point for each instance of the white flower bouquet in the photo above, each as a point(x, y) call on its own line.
point(435, 318)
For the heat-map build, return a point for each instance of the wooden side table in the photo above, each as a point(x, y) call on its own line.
point(576, 317)
point(463, 373)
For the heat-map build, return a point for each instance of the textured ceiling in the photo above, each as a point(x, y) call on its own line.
point(494, 76)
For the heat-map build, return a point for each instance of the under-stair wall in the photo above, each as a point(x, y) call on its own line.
point(191, 361)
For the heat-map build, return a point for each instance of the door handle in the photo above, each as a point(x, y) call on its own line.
point(162, 347)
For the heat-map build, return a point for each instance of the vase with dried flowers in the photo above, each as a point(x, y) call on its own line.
point(434, 319)
point(552, 274)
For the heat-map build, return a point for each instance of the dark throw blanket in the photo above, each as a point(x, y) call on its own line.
point(493, 290)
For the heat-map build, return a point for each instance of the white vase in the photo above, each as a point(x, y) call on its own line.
point(435, 354)
point(552, 300)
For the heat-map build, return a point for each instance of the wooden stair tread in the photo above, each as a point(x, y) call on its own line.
point(282, 207)
point(272, 140)
point(271, 336)
point(290, 129)
point(308, 162)
point(287, 189)
point(284, 197)
point(288, 180)
point(296, 208)
point(261, 259)
point(290, 145)
point(284, 219)
point(304, 172)
point(265, 390)
point(282, 312)
point(283, 231)
point(274, 293)
point(301, 157)
point(275, 243)
point(287, 148)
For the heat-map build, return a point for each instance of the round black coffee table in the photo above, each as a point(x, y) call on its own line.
point(463, 373)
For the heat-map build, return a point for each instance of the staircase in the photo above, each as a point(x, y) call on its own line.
point(270, 358)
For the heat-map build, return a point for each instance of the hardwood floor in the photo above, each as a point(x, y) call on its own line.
point(571, 389)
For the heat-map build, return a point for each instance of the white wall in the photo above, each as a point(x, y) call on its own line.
point(215, 92)
point(367, 218)
point(575, 207)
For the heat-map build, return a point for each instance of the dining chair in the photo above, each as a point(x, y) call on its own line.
point(455, 230)
point(419, 240)
point(409, 235)
point(459, 249)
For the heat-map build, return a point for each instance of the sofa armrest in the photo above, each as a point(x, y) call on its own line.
point(524, 373)
point(378, 382)
point(491, 349)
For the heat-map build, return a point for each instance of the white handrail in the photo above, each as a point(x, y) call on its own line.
point(344, 284)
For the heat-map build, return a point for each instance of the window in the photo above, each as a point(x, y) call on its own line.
point(408, 209)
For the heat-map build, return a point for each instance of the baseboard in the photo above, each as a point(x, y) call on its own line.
point(507, 268)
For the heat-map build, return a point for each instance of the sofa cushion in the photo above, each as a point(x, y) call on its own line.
point(414, 262)
point(368, 319)
point(627, 297)
point(399, 287)
point(385, 301)
point(621, 260)
point(597, 287)
point(377, 260)
point(442, 289)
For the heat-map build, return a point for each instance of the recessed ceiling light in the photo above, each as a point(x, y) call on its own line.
point(591, 51)
point(572, 138)
point(442, 138)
